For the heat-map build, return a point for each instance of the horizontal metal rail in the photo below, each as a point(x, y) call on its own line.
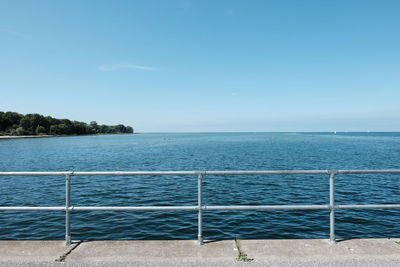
point(236, 207)
point(68, 208)
point(182, 173)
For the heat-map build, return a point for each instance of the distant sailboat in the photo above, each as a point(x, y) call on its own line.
point(334, 132)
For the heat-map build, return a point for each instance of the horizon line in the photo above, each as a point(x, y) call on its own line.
point(397, 131)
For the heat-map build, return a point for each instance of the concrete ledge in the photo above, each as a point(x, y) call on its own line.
point(32, 251)
point(319, 249)
point(299, 252)
point(182, 250)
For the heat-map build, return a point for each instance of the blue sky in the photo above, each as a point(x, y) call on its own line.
point(195, 66)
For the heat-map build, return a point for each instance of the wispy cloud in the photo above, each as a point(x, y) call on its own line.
point(111, 67)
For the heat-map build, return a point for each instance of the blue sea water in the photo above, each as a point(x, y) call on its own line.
point(201, 151)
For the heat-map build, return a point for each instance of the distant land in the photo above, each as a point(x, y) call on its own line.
point(15, 125)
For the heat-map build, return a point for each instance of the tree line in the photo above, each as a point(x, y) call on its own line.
point(13, 123)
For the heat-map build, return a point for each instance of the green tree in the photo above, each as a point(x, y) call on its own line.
point(40, 130)
point(129, 129)
point(104, 128)
point(20, 131)
point(59, 129)
point(26, 123)
point(10, 119)
point(95, 127)
point(80, 127)
point(12, 123)
point(120, 128)
point(2, 123)
point(31, 121)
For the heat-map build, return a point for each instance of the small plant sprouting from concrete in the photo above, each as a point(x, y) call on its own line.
point(242, 255)
point(64, 256)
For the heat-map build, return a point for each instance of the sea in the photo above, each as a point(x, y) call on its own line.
point(201, 151)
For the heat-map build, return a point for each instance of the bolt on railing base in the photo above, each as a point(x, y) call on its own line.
point(68, 240)
point(200, 240)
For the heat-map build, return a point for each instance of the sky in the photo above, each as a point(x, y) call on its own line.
point(205, 66)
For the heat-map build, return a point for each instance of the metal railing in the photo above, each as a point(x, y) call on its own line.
point(200, 207)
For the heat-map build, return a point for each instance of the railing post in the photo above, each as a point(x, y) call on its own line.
point(200, 207)
point(332, 238)
point(67, 211)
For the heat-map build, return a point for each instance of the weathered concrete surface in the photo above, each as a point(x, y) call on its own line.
point(352, 263)
point(317, 252)
point(318, 249)
point(181, 250)
point(32, 251)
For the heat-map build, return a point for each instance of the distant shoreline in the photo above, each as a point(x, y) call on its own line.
point(25, 136)
point(49, 135)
